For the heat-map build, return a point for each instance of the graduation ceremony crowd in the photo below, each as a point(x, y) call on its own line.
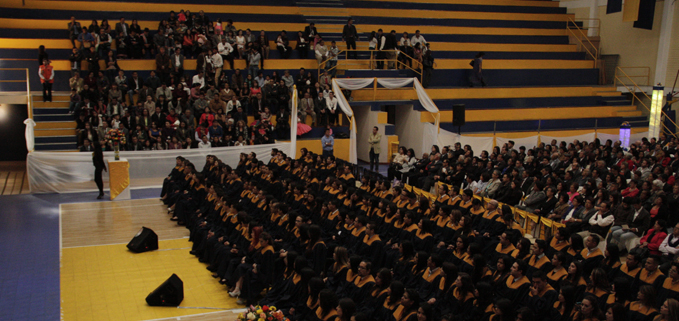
point(302, 235)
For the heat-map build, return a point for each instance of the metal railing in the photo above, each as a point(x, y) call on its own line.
point(372, 62)
point(578, 34)
point(637, 72)
point(633, 89)
point(29, 103)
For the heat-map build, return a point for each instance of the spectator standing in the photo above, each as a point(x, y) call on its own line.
point(333, 52)
point(253, 59)
point(46, 73)
point(99, 165)
point(42, 55)
point(374, 140)
point(74, 30)
point(417, 38)
point(122, 31)
point(379, 56)
point(350, 36)
point(390, 47)
point(328, 143)
point(75, 58)
point(217, 65)
point(163, 65)
point(321, 53)
point(226, 51)
point(427, 68)
point(477, 73)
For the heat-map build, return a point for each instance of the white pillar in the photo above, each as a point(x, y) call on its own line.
point(593, 14)
point(664, 43)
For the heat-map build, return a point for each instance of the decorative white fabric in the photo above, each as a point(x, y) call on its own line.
point(30, 134)
point(293, 125)
point(528, 142)
point(346, 109)
point(589, 137)
point(354, 83)
point(445, 137)
point(393, 83)
point(55, 172)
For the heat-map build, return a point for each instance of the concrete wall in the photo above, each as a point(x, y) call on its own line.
point(365, 121)
point(410, 130)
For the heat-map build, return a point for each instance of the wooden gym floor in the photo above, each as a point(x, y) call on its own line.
point(102, 280)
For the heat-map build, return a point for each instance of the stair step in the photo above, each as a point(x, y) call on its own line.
point(55, 98)
point(70, 139)
point(53, 118)
point(40, 104)
point(616, 102)
point(51, 111)
point(57, 147)
point(630, 113)
point(55, 125)
point(54, 132)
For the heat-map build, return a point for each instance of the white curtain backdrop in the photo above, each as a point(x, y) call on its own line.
point(346, 109)
point(30, 134)
point(528, 142)
point(56, 172)
point(390, 83)
point(445, 138)
point(293, 125)
point(393, 83)
point(589, 137)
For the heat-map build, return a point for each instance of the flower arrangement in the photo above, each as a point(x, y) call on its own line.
point(116, 137)
point(261, 313)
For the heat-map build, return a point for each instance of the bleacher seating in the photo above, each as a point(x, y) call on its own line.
point(526, 42)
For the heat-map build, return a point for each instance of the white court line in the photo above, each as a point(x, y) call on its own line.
point(114, 202)
point(111, 207)
point(159, 240)
point(234, 311)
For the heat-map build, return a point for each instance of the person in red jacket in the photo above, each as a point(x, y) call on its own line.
point(654, 237)
point(46, 73)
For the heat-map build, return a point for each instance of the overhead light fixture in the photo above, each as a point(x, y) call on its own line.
point(625, 131)
point(655, 124)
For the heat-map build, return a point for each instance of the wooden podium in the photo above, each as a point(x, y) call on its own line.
point(119, 179)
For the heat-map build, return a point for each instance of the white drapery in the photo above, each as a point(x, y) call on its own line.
point(30, 134)
point(447, 138)
point(293, 124)
point(589, 137)
point(57, 172)
point(390, 83)
point(528, 142)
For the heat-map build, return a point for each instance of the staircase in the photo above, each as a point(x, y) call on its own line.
point(55, 128)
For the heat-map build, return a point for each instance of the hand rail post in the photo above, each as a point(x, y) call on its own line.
point(29, 104)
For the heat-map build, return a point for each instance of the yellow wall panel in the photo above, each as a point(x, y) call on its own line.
point(341, 149)
point(382, 117)
point(474, 93)
point(482, 2)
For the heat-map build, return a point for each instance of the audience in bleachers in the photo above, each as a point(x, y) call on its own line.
point(304, 234)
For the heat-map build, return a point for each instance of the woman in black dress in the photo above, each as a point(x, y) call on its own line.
point(99, 165)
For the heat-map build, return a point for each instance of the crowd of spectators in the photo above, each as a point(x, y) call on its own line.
point(168, 109)
point(325, 247)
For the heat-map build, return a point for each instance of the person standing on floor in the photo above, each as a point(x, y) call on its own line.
point(374, 141)
point(46, 73)
point(427, 68)
point(99, 165)
point(350, 35)
point(477, 73)
point(328, 144)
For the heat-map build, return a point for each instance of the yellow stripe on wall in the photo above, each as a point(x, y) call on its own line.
point(440, 14)
point(474, 93)
point(293, 27)
point(481, 2)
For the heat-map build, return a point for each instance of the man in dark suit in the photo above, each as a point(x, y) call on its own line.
point(87, 146)
point(548, 204)
point(638, 222)
point(526, 181)
point(134, 85)
point(128, 120)
point(163, 65)
point(135, 144)
point(74, 30)
point(350, 35)
point(310, 31)
point(122, 31)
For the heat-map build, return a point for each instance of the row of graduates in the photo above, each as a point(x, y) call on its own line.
point(446, 254)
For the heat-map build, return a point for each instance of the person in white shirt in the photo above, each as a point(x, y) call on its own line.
point(670, 246)
point(199, 79)
point(601, 221)
point(417, 38)
point(225, 50)
point(233, 104)
point(331, 105)
point(321, 52)
point(204, 142)
point(218, 64)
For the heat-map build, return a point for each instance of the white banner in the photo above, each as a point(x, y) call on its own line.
point(59, 172)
